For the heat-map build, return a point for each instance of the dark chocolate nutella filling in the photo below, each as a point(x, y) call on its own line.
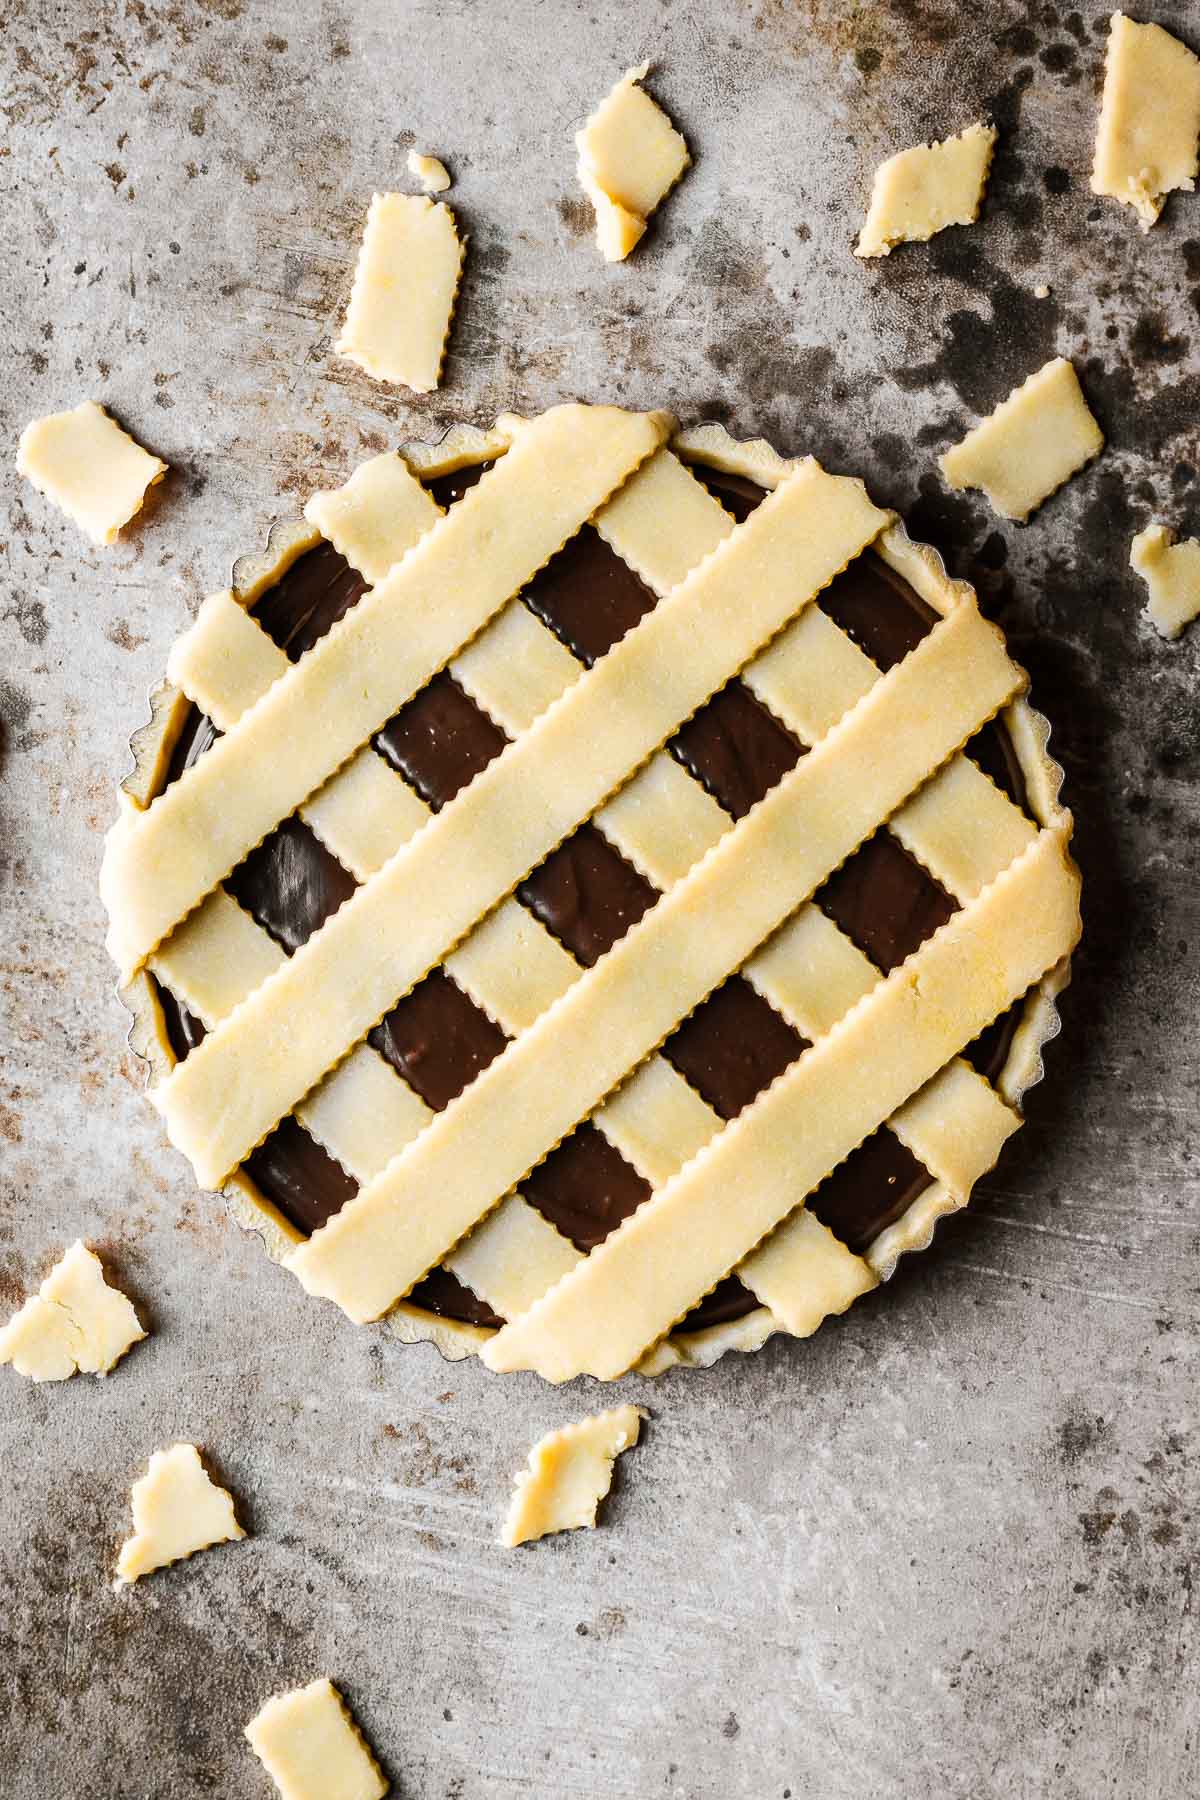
point(734, 1044)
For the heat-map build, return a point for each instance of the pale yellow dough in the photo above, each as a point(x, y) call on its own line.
point(920, 191)
point(404, 290)
point(1149, 130)
point(432, 174)
point(177, 1510)
point(74, 1324)
point(630, 157)
point(568, 1474)
point(1034, 441)
point(1171, 572)
point(312, 1748)
point(88, 466)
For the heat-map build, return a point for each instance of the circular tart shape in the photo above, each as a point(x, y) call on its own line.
point(935, 854)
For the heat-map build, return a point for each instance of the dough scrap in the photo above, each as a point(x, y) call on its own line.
point(1171, 571)
point(405, 286)
point(310, 1745)
point(432, 173)
point(630, 157)
point(74, 1324)
point(923, 190)
point(1149, 129)
point(1034, 441)
point(568, 1474)
point(177, 1510)
point(95, 472)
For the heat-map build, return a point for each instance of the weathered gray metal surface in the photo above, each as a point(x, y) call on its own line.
point(946, 1548)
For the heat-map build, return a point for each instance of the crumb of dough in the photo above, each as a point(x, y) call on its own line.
point(1171, 571)
point(432, 174)
point(75, 1323)
point(568, 1474)
point(1148, 133)
point(310, 1744)
point(630, 157)
point(91, 469)
point(1042, 291)
point(1034, 441)
point(921, 191)
point(405, 286)
point(177, 1510)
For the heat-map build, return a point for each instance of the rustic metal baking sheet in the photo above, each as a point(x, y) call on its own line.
point(946, 1548)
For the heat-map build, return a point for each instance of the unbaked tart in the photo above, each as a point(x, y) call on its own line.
point(593, 893)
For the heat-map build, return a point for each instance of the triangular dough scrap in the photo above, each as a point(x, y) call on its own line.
point(1171, 572)
point(923, 190)
point(405, 286)
point(1148, 137)
point(310, 1745)
point(88, 466)
point(74, 1324)
point(177, 1510)
point(630, 157)
point(1034, 441)
point(568, 1474)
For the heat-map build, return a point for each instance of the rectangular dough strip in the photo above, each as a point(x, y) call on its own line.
point(160, 863)
point(653, 1268)
point(402, 922)
point(706, 926)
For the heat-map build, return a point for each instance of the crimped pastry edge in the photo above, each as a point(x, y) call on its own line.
point(712, 446)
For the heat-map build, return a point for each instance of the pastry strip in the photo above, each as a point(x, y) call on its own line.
point(657, 1120)
point(216, 957)
point(86, 464)
point(804, 1273)
point(513, 1257)
point(920, 191)
point(663, 821)
point(707, 925)
point(673, 1250)
point(375, 516)
point(512, 966)
point(309, 1743)
point(516, 668)
point(225, 661)
point(568, 1473)
point(811, 972)
point(364, 813)
point(1171, 572)
point(364, 1113)
point(405, 284)
point(963, 828)
point(1034, 441)
point(1146, 141)
point(561, 467)
point(630, 157)
point(401, 923)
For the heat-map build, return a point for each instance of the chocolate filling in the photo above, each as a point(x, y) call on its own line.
point(734, 1044)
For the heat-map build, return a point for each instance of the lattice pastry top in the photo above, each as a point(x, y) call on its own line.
point(594, 895)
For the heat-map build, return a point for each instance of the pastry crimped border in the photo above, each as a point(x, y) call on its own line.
point(709, 445)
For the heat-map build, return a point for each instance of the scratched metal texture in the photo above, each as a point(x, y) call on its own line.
point(946, 1548)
